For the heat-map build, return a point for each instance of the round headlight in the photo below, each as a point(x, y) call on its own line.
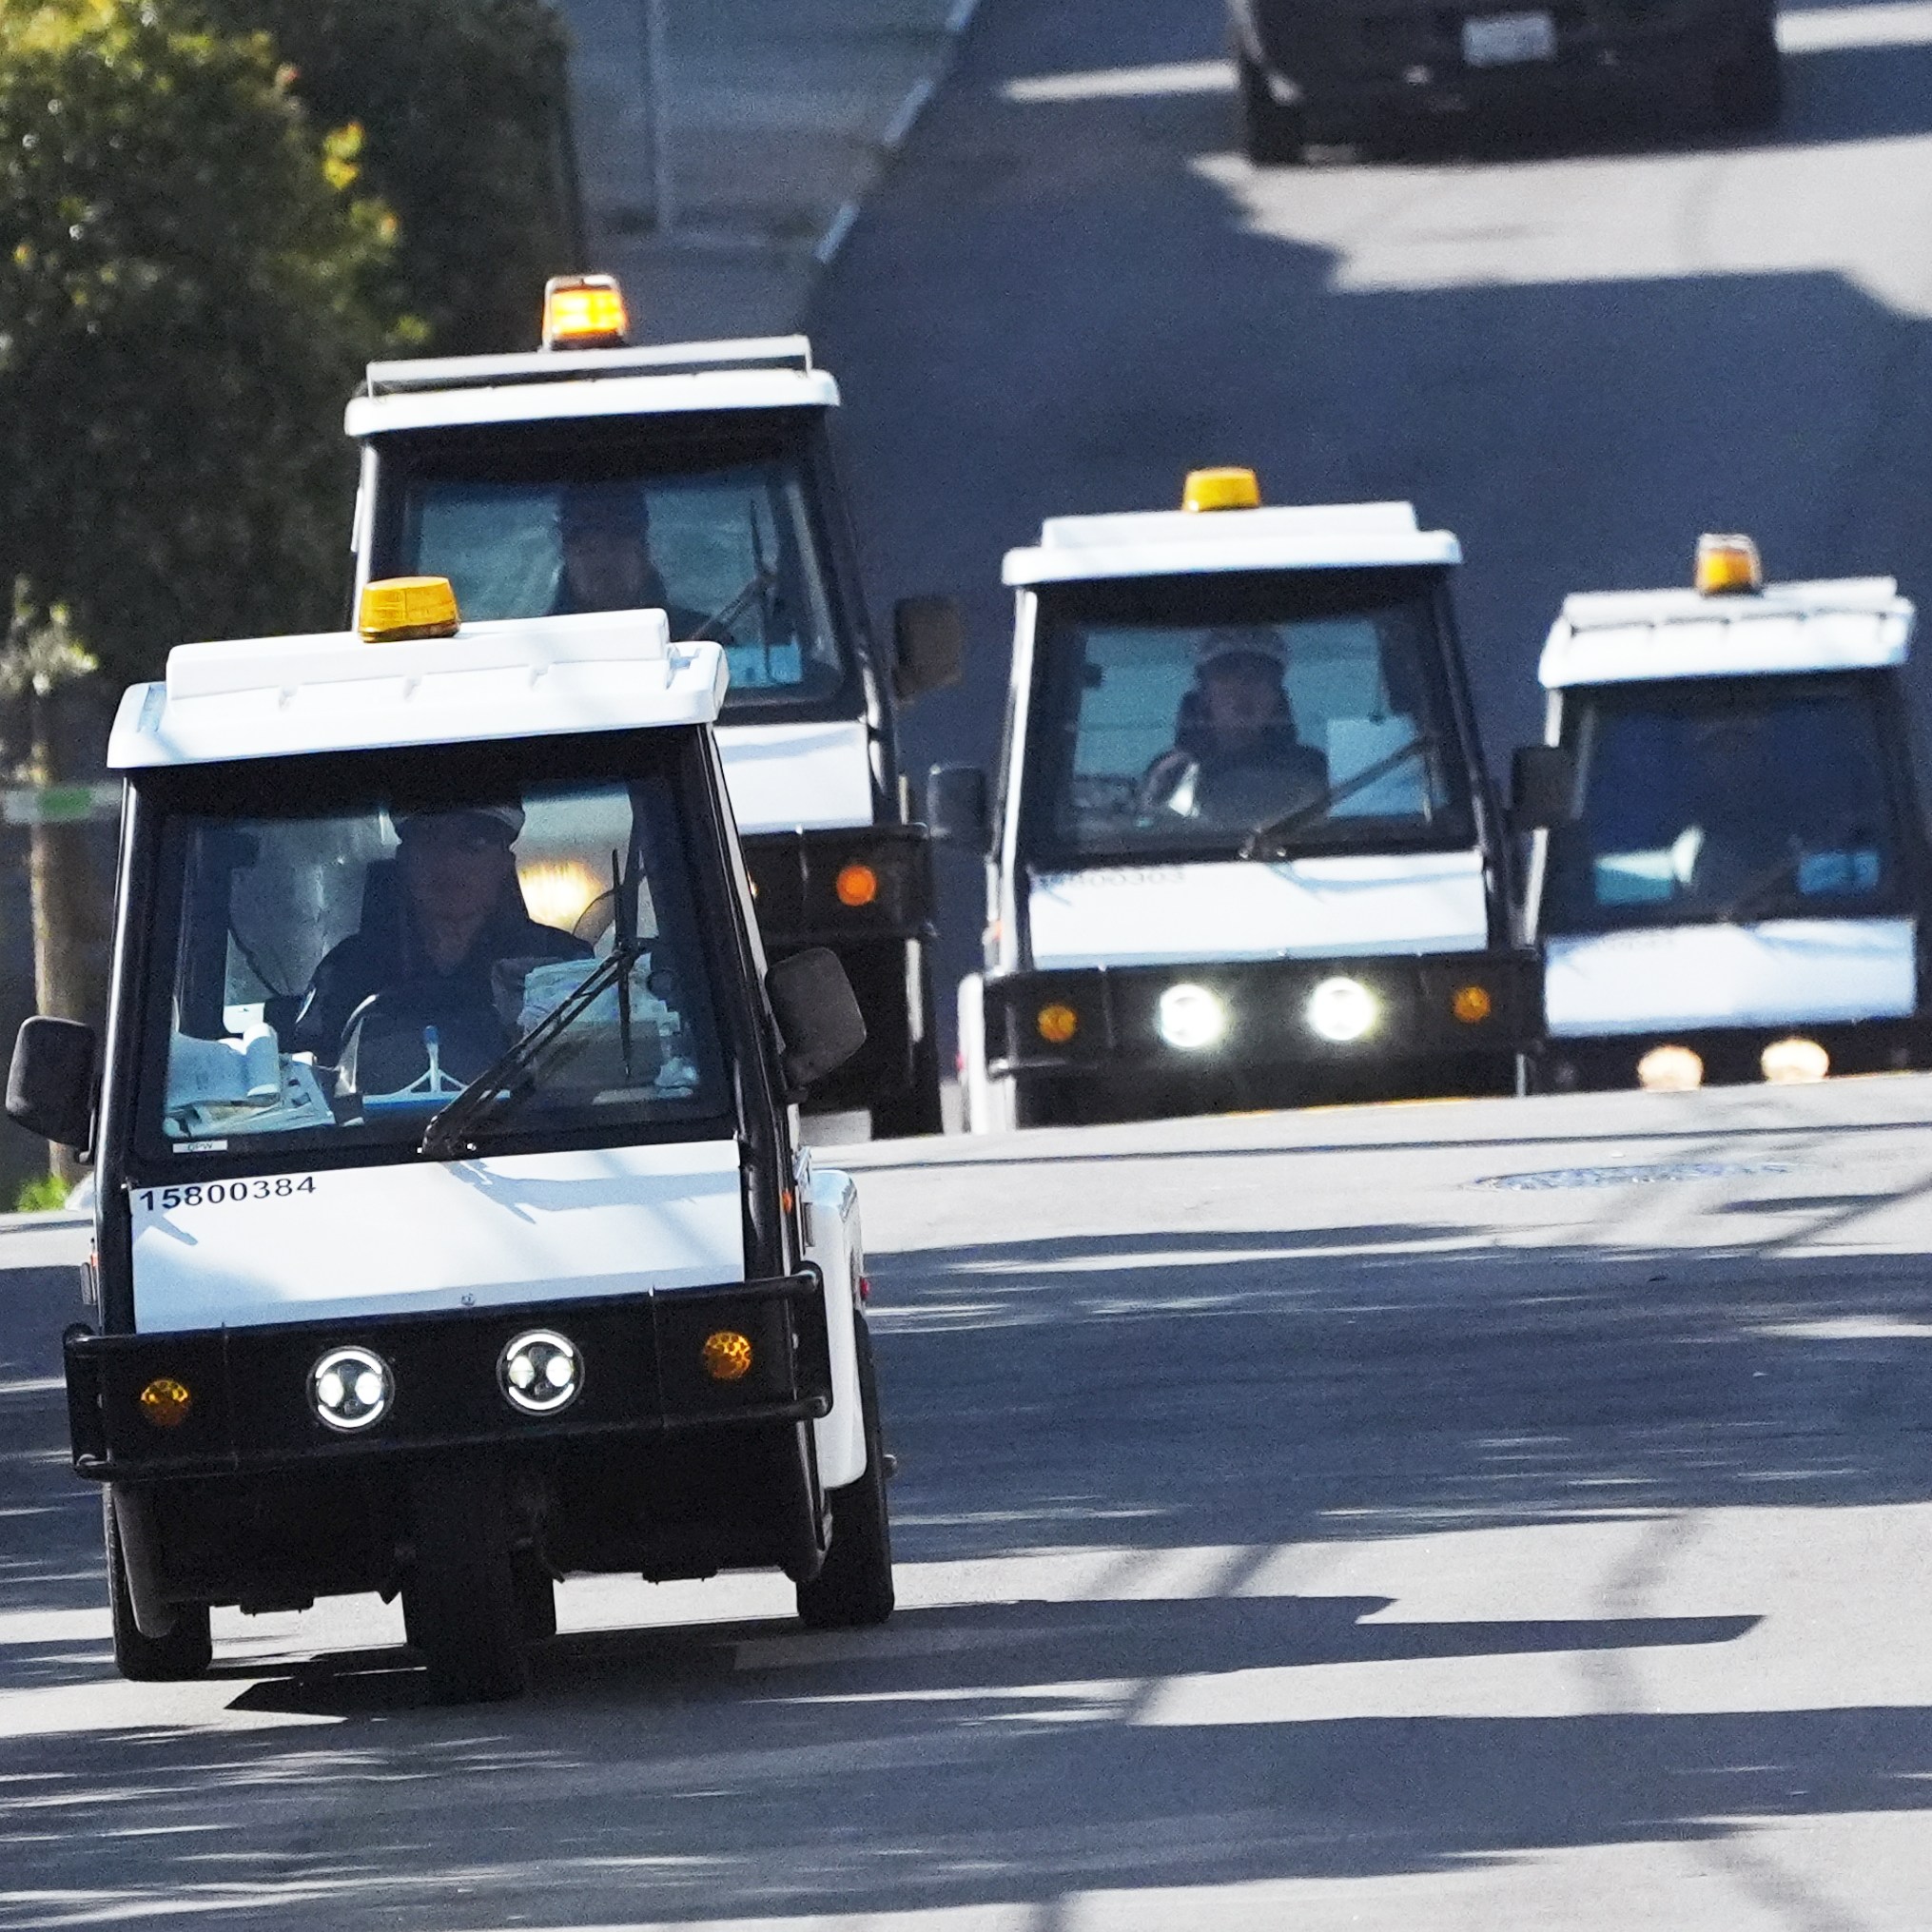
point(1343, 1009)
point(1670, 1069)
point(1787, 1063)
point(351, 1388)
point(540, 1373)
point(1191, 1018)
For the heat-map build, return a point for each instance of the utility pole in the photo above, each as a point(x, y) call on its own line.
point(655, 34)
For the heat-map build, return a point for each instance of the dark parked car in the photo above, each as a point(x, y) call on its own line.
point(1333, 70)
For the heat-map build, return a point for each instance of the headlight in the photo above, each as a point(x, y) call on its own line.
point(1191, 1018)
point(350, 1388)
point(1342, 1009)
point(1787, 1063)
point(540, 1373)
point(1670, 1069)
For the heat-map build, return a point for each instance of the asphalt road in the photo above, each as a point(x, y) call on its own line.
point(1459, 1516)
point(1577, 349)
point(1493, 1514)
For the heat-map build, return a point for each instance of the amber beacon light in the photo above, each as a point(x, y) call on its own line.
point(1728, 566)
point(1222, 489)
point(584, 312)
point(397, 607)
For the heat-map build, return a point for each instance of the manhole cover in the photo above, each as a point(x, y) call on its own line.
point(1633, 1176)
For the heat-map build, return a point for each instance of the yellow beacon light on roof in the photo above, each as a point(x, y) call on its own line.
point(397, 607)
point(1221, 490)
point(584, 312)
point(1728, 566)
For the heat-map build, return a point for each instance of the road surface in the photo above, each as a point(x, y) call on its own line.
point(1492, 1514)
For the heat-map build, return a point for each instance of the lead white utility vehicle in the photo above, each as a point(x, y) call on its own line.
point(1246, 852)
point(1740, 890)
point(492, 1253)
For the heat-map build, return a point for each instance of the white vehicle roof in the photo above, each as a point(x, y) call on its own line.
point(1632, 636)
point(275, 697)
point(773, 372)
point(1175, 542)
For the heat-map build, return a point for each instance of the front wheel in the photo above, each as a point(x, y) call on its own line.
point(459, 1597)
point(186, 1652)
point(854, 1587)
point(1272, 135)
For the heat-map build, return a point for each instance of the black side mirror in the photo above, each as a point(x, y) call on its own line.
point(956, 810)
point(817, 1014)
point(1542, 787)
point(929, 645)
point(50, 1085)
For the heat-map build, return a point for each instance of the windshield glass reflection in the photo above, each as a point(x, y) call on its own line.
point(1728, 801)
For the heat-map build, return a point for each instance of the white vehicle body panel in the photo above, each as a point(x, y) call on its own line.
point(1630, 636)
point(426, 1238)
point(1784, 972)
point(836, 1245)
point(1172, 542)
point(528, 677)
point(1311, 908)
point(511, 401)
point(798, 777)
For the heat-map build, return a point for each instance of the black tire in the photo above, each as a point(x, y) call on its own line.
point(1747, 91)
point(1272, 135)
point(535, 1598)
point(459, 1596)
point(854, 1589)
point(184, 1652)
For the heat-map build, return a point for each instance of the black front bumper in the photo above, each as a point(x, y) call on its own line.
point(643, 1376)
point(1117, 1010)
point(1732, 1056)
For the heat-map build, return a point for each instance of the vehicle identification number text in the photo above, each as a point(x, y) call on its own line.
point(218, 1193)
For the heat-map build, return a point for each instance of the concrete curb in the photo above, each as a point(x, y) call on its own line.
point(897, 131)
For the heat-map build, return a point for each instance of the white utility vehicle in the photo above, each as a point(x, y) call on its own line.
point(1740, 890)
point(699, 477)
point(489, 1254)
point(1246, 852)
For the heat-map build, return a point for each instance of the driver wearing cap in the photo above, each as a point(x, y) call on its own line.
point(457, 916)
point(604, 536)
point(1236, 758)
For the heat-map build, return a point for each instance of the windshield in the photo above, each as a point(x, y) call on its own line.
point(333, 975)
point(1186, 715)
point(1725, 799)
point(726, 548)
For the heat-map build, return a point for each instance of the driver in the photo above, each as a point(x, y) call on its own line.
point(604, 534)
point(459, 916)
point(1236, 758)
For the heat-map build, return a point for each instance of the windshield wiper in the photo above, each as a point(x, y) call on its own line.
point(1758, 888)
point(761, 581)
point(1264, 841)
point(449, 1127)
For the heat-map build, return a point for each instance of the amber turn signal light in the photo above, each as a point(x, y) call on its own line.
point(727, 1356)
point(1472, 1004)
point(857, 885)
point(1057, 1023)
point(164, 1402)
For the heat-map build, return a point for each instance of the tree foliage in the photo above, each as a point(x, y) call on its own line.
point(462, 107)
point(190, 284)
